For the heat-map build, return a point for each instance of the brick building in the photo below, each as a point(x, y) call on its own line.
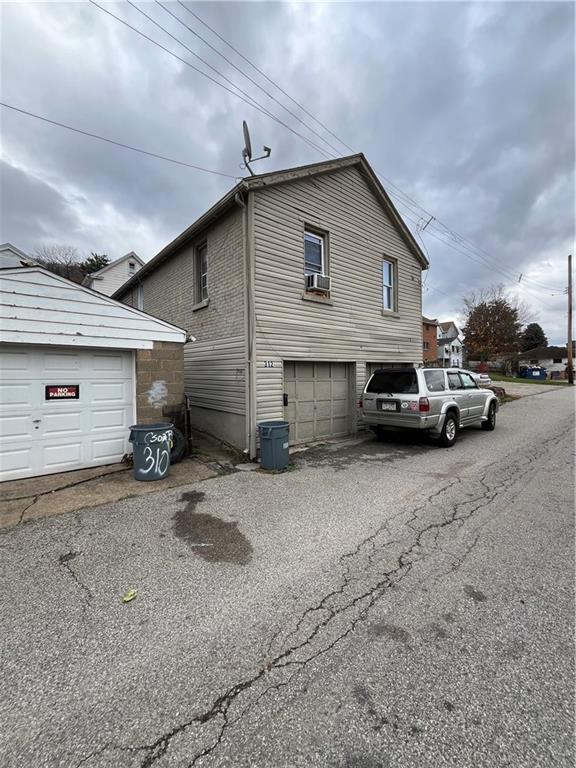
point(429, 340)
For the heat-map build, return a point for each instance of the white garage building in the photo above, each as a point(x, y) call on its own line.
point(69, 387)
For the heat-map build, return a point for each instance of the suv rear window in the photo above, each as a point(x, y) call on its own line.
point(403, 382)
point(435, 381)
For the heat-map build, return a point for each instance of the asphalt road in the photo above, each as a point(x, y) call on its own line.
point(384, 604)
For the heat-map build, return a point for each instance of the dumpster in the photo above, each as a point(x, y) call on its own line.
point(274, 444)
point(532, 372)
point(152, 444)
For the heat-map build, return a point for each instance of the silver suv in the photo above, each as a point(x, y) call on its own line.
point(439, 400)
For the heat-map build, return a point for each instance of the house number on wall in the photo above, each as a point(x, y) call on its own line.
point(268, 363)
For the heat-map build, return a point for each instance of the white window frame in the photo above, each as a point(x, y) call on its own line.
point(200, 290)
point(389, 287)
point(308, 232)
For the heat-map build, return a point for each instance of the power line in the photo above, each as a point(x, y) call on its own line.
point(401, 196)
point(247, 60)
point(116, 143)
point(250, 101)
point(250, 79)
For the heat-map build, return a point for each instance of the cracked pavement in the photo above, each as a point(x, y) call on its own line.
point(393, 604)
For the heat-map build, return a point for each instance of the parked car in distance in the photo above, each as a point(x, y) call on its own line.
point(438, 400)
point(482, 379)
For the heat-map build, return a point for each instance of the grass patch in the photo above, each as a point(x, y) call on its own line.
point(515, 380)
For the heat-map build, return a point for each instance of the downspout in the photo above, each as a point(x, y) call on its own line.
point(249, 324)
point(251, 330)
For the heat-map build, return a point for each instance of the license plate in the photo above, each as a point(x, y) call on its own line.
point(384, 406)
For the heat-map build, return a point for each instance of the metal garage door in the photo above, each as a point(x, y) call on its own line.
point(318, 400)
point(63, 409)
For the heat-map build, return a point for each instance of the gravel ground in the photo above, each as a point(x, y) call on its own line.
point(384, 604)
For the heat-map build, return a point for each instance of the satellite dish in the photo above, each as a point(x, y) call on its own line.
point(247, 153)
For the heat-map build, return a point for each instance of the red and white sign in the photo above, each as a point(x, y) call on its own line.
point(62, 392)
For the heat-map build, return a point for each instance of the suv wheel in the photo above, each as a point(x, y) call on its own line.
point(449, 431)
point(490, 424)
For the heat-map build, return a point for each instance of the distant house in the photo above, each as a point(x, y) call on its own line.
point(449, 345)
point(551, 358)
point(111, 277)
point(429, 340)
point(11, 257)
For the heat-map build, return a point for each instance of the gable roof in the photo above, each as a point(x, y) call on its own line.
point(543, 353)
point(428, 321)
point(445, 325)
point(11, 257)
point(283, 176)
point(72, 315)
point(99, 272)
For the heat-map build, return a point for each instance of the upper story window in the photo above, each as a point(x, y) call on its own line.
point(201, 272)
point(426, 345)
point(389, 285)
point(314, 253)
point(131, 266)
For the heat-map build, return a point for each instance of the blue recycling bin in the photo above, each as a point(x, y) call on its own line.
point(152, 445)
point(274, 441)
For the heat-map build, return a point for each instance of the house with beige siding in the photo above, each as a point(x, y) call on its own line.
point(108, 279)
point(296, 285)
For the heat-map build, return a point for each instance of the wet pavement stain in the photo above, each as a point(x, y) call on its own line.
point(475, 594)
point(391, 631)
point(212, 539)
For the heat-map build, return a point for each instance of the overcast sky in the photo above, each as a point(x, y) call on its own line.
point(468, 108)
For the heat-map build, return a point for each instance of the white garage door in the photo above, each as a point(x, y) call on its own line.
point(318, 400)
point(62, 409)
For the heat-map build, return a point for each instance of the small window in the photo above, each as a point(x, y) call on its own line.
point(388, 279)
point(557, 360)
point(131, 266)
point(435, 381)
point(314, 254)
point(426, 345)
point(454, 381)
point(201, 273)
point(468, 381)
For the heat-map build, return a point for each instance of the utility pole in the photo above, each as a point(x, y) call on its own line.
point(569, 350)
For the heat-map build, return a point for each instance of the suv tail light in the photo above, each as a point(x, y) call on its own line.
point(423, 405)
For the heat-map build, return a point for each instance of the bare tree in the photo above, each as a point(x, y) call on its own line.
point(63, 260)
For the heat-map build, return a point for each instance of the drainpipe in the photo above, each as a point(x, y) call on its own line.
point(249, 321)
point(251, 331)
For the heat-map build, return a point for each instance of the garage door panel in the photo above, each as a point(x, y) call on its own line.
point(109, 392)
point(305, 410)
point(304, 371)
point(61, 362)
point(110, 449)
point(40, 436)
point(340, 390)
point(340, 427)
point(323, 390)
point(14, 459)
point(110, 419)
point(323, 409)
point(340, 409)
point(109, 363)
point(340, 371)
point(12, 393)
point(61, 454)
point(322, 370)
point(305, 391)
point(61, 423)
point(15, 427)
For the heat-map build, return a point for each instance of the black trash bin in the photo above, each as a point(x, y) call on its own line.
point(152, 444)
point(274, 437)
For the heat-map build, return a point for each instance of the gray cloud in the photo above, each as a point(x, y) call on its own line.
point(468, 107)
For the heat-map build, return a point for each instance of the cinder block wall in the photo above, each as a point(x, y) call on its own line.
point(160, 382)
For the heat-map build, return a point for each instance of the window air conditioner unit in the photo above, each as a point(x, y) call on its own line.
point(317, 282)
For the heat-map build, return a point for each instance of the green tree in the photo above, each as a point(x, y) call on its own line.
point(492, 325)
point(95, 262)
point(533, 336)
